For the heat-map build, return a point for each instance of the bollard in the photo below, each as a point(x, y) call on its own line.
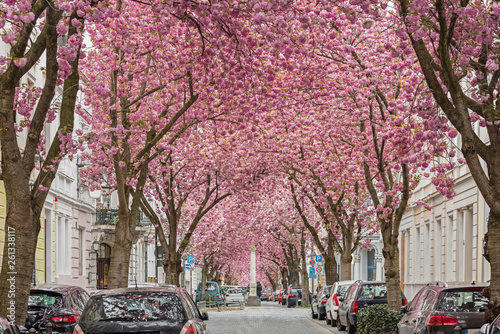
point(48, 328)
point(218, 307)
point(32, 331)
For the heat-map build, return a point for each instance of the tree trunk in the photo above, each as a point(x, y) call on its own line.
point(203, 284)
point(305, 273)
point(345, 266)
point(19, 250)
point(330, 267)
point(120, 252)
point(284, 283)
point(492, 254)
point(391, 266)
point(119, 261)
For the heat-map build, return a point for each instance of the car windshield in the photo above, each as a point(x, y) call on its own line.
point(45, 299)
point(138, 306)
point(469, 300)
point(373, 291)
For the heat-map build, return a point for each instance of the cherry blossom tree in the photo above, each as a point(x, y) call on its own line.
point(33, 32)
point(456, 46)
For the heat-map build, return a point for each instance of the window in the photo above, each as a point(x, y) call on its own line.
point(371, 266)
point(469, 300)
point(80, 251)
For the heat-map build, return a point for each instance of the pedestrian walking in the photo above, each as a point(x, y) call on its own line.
point(259, 291)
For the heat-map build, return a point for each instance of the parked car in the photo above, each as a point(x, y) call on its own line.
point(234, 295)
point(142, 310)
point(280, 295)
point(438, 308)
point(276, 294)
point(58, 304)
point(361, 294)
point(332, 305)
point(211, 288)
point(318, 303)
point(294, 296)
point(492, 328)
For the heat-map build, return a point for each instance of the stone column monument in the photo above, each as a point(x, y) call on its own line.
point(253, 300)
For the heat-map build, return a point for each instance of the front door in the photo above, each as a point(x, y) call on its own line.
point(102, 273)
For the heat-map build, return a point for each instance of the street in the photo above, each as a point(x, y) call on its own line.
point(270, 318)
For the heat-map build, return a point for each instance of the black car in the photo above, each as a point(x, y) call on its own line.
point(361, 294)
point(294, 296)
point(318, 303)
point(7, 328)
point(144, 310)
point(438, 308)
point(59, 304)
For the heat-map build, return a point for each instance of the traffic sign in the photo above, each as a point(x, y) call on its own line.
point(312, 262)
point(188, 266)
point(319, 270)
point(319, 258)
point(312, 273)
point(190, 259)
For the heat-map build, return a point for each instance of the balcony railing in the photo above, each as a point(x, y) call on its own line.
point(110, 217)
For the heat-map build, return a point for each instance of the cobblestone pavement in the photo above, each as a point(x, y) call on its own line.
point(270, 318)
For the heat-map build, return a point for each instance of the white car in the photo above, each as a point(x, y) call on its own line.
point(234, 296)
point(336, 296)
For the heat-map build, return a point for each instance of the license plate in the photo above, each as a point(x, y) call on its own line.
point(472, 331)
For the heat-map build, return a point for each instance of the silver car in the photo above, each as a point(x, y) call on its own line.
point(332, 305)
point(234, 296)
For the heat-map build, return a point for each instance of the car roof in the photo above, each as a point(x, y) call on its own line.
point(58, 288)
point(138, 290)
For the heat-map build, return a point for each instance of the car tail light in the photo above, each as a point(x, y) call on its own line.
point(438, 320)
point(291, 295)
point(196, 293)
point(405, 302)
point(335, 300)
point(78, 330)
point(355, 307)
point(324, 300)
point(188, 329)
point(217, 295)
point(64, 319)
point(227, 295)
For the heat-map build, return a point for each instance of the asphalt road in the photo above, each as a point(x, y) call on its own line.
point(270, 318)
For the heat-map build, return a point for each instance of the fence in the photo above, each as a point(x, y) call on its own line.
point(220, 305)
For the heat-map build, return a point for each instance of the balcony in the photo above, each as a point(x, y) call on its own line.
point(110, 217)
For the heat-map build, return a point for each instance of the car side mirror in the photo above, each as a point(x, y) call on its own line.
point(314, 296)
point(327, 296)
point(340, 298)
point(404, 309)
point(485, 329)
point(204, 316)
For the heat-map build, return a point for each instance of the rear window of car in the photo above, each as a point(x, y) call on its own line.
point(235, 291)
point(296, 291)
point(342, 289)
point(373, 291)
point(467, 300)
point(138, 306)
point(211, 287)
point(45, 299)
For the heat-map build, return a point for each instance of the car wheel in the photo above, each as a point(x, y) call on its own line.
point(328, 321)
point(339, 324)
point(333, 322)
point(314, 316)
point(350, 328)
point(288, 305)
point(321, 316)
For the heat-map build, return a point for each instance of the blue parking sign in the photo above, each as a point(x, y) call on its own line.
point(319, 258)
point(190, 259)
